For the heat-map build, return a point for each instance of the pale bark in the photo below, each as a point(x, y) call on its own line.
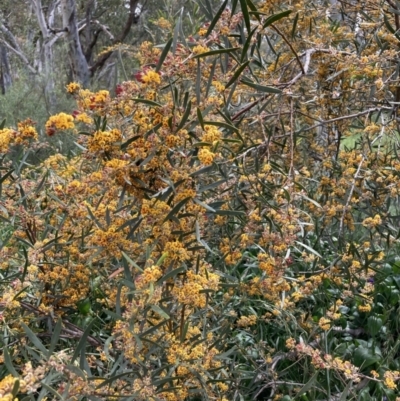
point(5, 73)
point(46, 60)
point(78, 63)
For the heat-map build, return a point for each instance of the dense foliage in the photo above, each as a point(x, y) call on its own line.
point(227, 225)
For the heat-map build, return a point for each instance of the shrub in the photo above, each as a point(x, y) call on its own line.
point(213, 240)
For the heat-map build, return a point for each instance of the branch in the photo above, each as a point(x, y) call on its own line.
point(355, 115)
point(104, 28)
point(291, 48)
point(133, 16)
point(396, 15)
point(14, 47)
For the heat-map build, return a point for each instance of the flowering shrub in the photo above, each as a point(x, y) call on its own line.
point(228, 229)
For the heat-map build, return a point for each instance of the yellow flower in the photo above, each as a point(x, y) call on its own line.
point(290, 343)
point(246, 321)
point(200, 49)
point(206, 157)
point(364, 308)
point(61, 121)
point(151, 77)
point(202, 31)
point(371, 222)
point(324, 323)
point(73, 87)
point(163, 23)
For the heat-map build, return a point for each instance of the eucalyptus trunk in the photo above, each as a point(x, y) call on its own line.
point(77, 59)
point(5, 74)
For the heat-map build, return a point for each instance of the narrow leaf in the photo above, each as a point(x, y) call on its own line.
point(160, 311)
point(55, 336)
point(200, 118)
point(172, 274)
point(260, 88)
point(164, 54)
point(176, 208)
point(308, 385)
point(217, 51)
point(237, 74)
point(131, 262)
point(35, 340)
point(185, 116)
point(148, 102)
point(276, 17)
point(309, 249)
point(246, 15)
point(8, 362)
point(82, 342)
point(217, 17)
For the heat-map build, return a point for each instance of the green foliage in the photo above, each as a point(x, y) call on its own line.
point(217, 237)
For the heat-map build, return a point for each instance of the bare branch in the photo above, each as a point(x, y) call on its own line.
point(133, 16)
point(350, 116)
point(291, 47)
point(14, 47)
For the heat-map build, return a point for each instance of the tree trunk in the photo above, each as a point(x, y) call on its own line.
point(5, 75)
point(79, 65)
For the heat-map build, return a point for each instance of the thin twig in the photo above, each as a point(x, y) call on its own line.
point(291, 48)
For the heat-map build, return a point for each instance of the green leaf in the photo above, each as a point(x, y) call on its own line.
point(160, 261)
point(84, 306)
point(131, 262)
point(160, 311)
point(176, 208)
point(164, 54)
point(246, 45)
point(388, 25)
point(276, 17)
point(172, 274)
point(15, 388)
point(217, 51)
point(374, 325)
point(296, 19)
point(217, 17)
point(364, 357)
point(177, 29)
point(82, 342)
point(346, 391)
point(8, 362)
point(202, 204)
point(236, 213)
point(200, 118)
point(308, 385)
point(246, 16)
point(309, 249)
point(202, 170)
point(52, 390)
point(261, 88)
point(148, 102)
point(237, 74)
point(129, 141)
point(251, 5)
point(55, 336)
point(222, 125)
point(4, 177)
point(93, 217)
point(198, 82)
point(35, 340)
point(184, 331)
point(185, 116)
point(211, 186)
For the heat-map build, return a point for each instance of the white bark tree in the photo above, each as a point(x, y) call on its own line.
point(79, 30)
